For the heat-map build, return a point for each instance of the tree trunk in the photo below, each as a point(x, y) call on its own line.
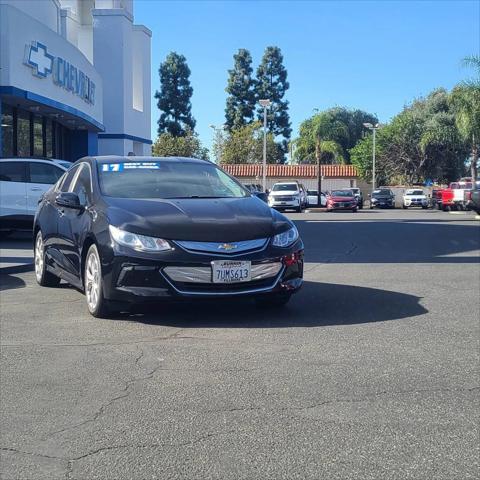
point(473, 165)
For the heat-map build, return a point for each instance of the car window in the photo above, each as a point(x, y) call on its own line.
point(44, 173)
point(285, 187)
point(69, 176)
point(167, 179)
point(12, 171)
point(82, 184)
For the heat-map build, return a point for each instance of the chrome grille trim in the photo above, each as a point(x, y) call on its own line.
point(204, 274)
point(215, 248)
point(223, 293)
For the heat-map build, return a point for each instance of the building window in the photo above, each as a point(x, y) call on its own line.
point(23, 134)
point(37, 136)
point(48, 138)
point(7, 131)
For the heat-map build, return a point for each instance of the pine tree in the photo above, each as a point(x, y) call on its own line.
point(241, 100)
point(271, 84)
point(174, 96)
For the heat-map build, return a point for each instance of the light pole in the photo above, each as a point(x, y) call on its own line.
point(374, 129)
point(218, 141)
point(265, 104)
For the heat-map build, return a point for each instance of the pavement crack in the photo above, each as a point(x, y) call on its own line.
point(124, 393)
point(33, 454)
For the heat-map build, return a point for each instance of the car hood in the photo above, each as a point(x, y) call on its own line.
point(342, 199)
point(415, 197)
point(382, 197)
point(285, 192)
point(203, 220)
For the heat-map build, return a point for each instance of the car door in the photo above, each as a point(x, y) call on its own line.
point(73, 224)
point(13, 193)
point(40, 177)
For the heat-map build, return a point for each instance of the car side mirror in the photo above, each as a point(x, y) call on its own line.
point(68, 200)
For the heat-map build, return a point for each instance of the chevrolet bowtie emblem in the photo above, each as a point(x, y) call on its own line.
point(227, 246)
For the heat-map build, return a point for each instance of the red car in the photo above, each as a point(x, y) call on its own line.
point(341, 200)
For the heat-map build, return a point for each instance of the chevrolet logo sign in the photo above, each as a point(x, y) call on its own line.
point(227, 246)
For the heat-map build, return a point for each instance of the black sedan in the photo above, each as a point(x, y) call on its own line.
point(139, 229)
point(383, 198)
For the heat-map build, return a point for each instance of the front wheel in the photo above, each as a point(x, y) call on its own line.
point(273, 300)
point(93, 282)
point(404, 207)
point(43, 277)
point(354, 210)
point(299, 209)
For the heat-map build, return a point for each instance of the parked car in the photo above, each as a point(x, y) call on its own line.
point(22, 183)
point(253, 187)
point(128, 231)
point(312, 198)
point(472, 198)
point(303, 196)
point(341, 200)
point(359, 196)
point(287, 195)
point(383, 198)
point(415, 198)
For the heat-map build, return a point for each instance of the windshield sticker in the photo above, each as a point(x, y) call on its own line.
point(120, 167)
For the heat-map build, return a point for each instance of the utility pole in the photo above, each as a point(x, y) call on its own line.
point(374, 129)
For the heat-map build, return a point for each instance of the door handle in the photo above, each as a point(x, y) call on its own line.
point(35, 189)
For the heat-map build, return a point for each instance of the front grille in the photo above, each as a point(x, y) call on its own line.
point(203, 275)
point(283, 198)
point(223, 287)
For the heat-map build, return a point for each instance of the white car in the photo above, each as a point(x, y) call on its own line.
point(287, 195)
point(415, 198)
point(313, 198)
point(22, 182)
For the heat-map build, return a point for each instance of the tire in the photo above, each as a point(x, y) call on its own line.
point(299, 209)
point(371, 207)
point(404, 207)
point(44, 278)
point(93, 284)
point(273, 300)
point(354, 210)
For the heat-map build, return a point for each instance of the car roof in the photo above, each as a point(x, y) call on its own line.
point(135, 158)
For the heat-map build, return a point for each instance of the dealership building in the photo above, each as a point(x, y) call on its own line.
point(74, 79)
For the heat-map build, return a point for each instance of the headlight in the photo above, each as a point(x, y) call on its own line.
point(138, 242)
point(285, 239)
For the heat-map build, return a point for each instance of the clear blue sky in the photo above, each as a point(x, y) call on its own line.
point(373, 55)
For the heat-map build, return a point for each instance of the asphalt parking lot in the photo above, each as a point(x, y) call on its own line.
point(371, 372)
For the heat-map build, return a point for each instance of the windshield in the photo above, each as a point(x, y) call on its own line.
point(282, 187)
point(312, 192)
point(166, 179)
point(415, 192)
point(341, 193)
point(381, 193)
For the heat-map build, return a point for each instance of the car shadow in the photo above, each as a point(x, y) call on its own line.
point(317, 304)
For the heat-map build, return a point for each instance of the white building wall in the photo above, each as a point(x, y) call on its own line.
point(309, 183)
point(46, 12)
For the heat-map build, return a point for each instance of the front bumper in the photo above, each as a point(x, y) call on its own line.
point(342, 206)
point(131, 277)
point(383, 203)
point(279, 203)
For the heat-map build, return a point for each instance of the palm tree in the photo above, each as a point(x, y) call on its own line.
point(465, 99)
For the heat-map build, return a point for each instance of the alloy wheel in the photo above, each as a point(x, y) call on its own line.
point(92, 287)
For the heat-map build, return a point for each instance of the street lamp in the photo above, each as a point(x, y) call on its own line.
point(265, 104)
point(218, 140)
point(374, 128)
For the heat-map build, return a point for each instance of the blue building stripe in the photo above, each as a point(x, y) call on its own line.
point(18, 92)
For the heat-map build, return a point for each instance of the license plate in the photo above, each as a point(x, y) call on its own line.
point(231, 271)
point(283, 203)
